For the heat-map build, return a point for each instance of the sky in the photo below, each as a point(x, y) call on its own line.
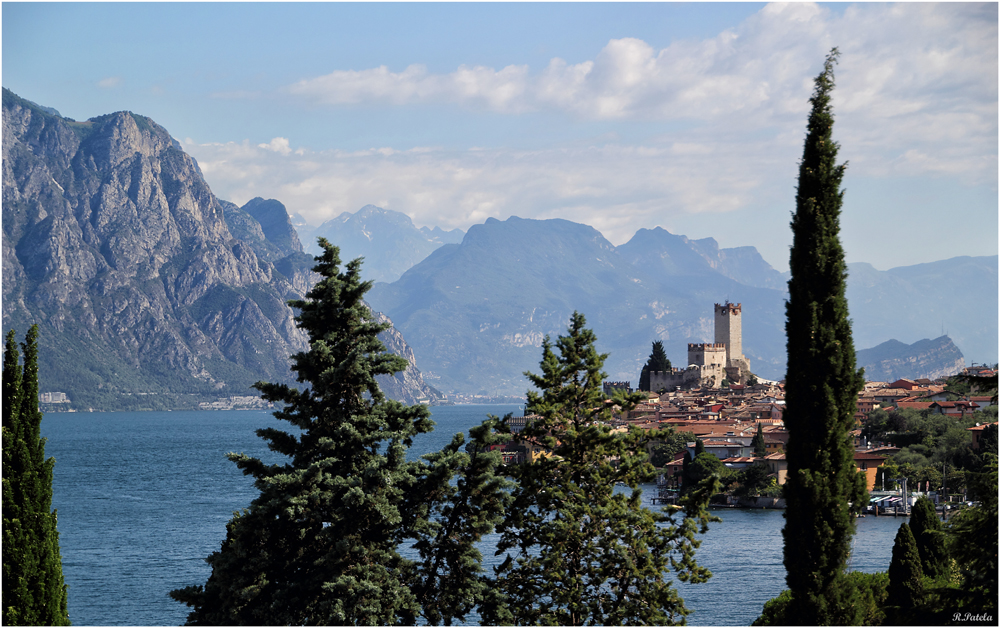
point(687, 116)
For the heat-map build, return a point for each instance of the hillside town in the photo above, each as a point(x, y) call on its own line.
point(721, 408)
point(726, 420)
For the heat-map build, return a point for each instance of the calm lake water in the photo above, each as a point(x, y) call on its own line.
point(144, 497)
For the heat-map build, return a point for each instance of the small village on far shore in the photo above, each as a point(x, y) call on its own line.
point(723, 406)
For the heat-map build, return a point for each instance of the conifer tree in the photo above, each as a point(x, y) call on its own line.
point(928, 533)
point(319, 545)
point(905, 587)
point(759, 448)
point(33, 589)
point(657, 362)
point(822, 383)
point(578, 551)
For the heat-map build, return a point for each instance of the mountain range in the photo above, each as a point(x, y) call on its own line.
point(388, 240)
point(149, 291)
point(150, 288)
point(893, 360)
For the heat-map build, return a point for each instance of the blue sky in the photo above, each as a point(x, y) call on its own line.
point(622, 116)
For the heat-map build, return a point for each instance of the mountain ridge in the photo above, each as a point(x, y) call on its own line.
point(115, 245)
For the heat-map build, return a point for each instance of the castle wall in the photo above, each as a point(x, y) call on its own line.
point(707, 354)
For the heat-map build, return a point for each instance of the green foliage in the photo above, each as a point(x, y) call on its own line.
point(821, 386)
point(759, 448)
point(668, 445)
point(930, 539)
point(753, 481)
point(932, 445)
point(578, 551)
point(973, 544)
point(319, 545)
point(467, 499)
point(657, 362)
point(872, 590)
point(775, 610)
point(905, 574)
point(33, 590)
point(702, 467)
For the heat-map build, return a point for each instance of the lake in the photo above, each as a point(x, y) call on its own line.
point(144, 497)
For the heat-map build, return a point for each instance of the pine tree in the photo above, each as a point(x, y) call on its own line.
point(578, 551)
point(319, 545)
point(33, 589)
point(905, 587)
point(928, 533)
point(759, 448)
point(821, 384)
point(449, 581)
point(657, 362)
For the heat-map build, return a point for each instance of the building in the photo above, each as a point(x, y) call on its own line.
point(868, 463)
point(710, 363)
point(53, 397)
point(977, 433)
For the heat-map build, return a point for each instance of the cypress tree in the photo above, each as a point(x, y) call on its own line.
point(905, 587)
point(657, 362)
point(928, 533)
point(821, 385)
point(759, 448)
point(33, 589)
point(578, 551)
point(319, 545)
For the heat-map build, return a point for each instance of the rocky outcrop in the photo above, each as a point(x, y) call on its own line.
point(893, 360)
point(275, 224)
point(407, 386)
point(115, 245)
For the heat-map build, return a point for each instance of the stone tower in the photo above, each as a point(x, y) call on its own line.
point(729, 329)
point(729, 332)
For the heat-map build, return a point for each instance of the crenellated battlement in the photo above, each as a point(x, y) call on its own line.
point(706, 346)
point(728, 308)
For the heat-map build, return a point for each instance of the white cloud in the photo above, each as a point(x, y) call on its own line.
point(109, 82)
point(278, 145)
point(916, 96)
point(912, 77)
point(611, 186)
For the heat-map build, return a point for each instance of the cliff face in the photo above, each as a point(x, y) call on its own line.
point(114, 244)
point(893, 360)
point(407, 386)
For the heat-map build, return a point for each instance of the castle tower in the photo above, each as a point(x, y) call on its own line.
point(729, 330)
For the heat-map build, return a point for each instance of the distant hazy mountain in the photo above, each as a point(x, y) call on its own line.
point(388, 240)
point(148, 291)
point(475, 313)
point(677, 256)
point(274, 224)
point(955, 297)
point(893, 360)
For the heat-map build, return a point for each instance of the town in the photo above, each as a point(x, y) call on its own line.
point(721, 409)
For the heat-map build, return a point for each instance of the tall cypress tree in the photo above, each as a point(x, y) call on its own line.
point(657, 362)
point(821, 384)
point(33, 589)
point(928, 533)
point(578, 551)
point(319, 545)
point(758, 444)
point(905, 586)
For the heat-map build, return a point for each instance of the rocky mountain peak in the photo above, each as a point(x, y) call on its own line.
point(115, 245)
